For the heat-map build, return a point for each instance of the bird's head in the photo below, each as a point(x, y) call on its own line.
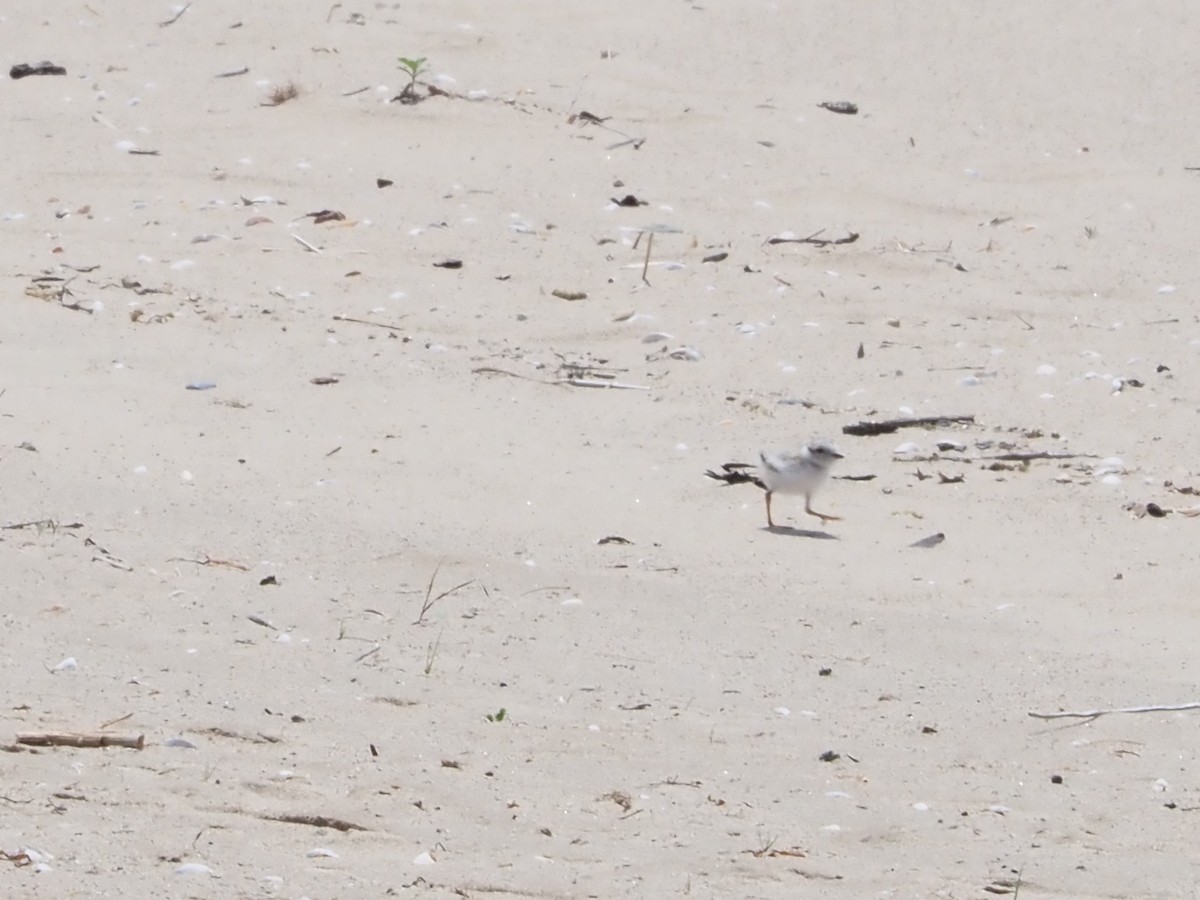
point(824, 452)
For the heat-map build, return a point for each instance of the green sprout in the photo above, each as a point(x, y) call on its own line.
point(414, 69)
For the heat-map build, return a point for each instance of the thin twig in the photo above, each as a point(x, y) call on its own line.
point(1097, 713)
point(370, 652)
point(305, 244)
point(569, 381)
point(209, 561)
point(367, 322)
point(115, 721)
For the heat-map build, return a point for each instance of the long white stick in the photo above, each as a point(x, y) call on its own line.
point(1096, 713)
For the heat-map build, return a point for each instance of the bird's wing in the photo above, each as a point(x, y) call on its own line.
point(777, 462)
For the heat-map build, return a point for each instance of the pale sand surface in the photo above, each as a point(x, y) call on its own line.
point(665, 711)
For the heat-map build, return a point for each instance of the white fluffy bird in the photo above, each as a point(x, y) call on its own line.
point(798, 472)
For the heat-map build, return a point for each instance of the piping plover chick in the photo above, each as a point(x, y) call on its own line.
point(798, 472)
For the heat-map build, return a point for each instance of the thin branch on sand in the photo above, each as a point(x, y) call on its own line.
point(1097, 713)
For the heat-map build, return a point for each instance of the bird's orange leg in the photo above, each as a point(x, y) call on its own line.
point(824, 517)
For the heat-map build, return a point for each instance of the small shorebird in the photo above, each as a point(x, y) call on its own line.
point(787, 472)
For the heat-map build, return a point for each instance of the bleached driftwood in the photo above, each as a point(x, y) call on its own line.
point(1096, 713)
point(80, 739)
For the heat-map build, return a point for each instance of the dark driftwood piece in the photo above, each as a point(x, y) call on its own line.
point(80, 739)
point(816, 241)
point(869, 429)
point(317, 822)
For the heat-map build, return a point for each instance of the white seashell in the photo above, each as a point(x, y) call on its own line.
point(782, 711)
point(970, 381)
point(67, 665)
point(906, 448)
point(423, 859)
point(478, 94)
point(690, 354)
point(655, 336)
point(180, 742)
point(921, 807)
point(193, 869)
point(1046, 369)
point(1167, 289)
point(316, 852)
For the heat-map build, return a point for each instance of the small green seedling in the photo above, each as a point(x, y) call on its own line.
point(414, 69)
point(498, 716)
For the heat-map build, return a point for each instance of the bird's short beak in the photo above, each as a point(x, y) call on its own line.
point(836, 455)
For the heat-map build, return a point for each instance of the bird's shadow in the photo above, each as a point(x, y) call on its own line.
point(789, 531)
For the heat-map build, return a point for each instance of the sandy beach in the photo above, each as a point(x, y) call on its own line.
point(354, 451)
